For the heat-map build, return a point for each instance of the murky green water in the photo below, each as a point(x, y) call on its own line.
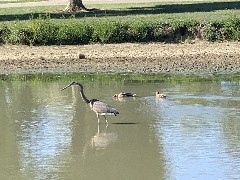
point(51, 134)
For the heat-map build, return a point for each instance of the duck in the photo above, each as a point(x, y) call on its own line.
point(160, 95)
point(124, 94)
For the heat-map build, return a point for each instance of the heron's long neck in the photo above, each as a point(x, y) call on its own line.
point(83, 96)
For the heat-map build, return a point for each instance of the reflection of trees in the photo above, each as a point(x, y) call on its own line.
point(231, 130)
point(8, 151)
point(46, 133)
point(17, 108)
point(231, 123)
point(41, 132)
point(193, 124)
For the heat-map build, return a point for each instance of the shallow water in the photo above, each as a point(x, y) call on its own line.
point(50, 134)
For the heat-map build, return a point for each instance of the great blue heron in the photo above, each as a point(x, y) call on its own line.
point(159, 95)
point(124, 94)
point(100, 108)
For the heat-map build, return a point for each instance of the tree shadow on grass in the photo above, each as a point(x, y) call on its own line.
point(151, 10)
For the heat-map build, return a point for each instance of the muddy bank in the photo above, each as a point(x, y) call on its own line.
point(200, 57)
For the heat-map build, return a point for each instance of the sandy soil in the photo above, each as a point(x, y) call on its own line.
point(200, 57)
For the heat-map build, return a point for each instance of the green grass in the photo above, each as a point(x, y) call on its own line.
point(17, 1)
point(202, 11)
point(116, 23)
point(125, 78)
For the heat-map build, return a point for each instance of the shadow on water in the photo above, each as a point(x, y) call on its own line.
point(126, 123)
point(149, 10)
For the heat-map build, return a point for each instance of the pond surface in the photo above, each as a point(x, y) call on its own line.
point(47, 133)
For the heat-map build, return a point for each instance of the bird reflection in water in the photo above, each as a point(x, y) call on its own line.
point(101, 140)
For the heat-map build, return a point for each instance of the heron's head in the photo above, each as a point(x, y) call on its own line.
point(72, 84)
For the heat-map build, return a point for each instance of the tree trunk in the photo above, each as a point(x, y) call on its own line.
point(75, 5)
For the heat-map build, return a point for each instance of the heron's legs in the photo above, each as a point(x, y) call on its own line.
point(98, 118)
point(105, 119)
point(98, 129)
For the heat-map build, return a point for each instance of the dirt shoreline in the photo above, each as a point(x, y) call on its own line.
point(153, 58)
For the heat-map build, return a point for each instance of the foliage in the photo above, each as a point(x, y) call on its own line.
point(35, 32)
point(4, 33)
point(74, 33)
point(141, 31)
point(224, 30)
point(116, 23)
point(232, 29)
point(46, 31)
point(185, 29)
point(110, 32)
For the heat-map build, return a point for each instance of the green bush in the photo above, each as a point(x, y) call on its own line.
point(110, 32)
point(75, 33)
point(185, 29)
point(163, 33)
point(46, 31)
point(141, 31)
point(215, 32)
point(232, 29)
point(4, 32)
point(43, 32)
point(14, 34)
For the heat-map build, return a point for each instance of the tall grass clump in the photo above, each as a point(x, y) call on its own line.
point(42, 31)
point(34, 32)
point(4, 32)
point(163, 32)
point(74, 33)
point(232, 29)
point(18, 33)
point(224, 30)
point(185, 29)
point(141, 31)
point(214, 32)
point(47, 31)
point(110, 32)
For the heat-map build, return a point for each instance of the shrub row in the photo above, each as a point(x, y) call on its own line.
point(45, 31)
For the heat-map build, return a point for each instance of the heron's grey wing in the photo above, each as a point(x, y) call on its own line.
point(102, 108)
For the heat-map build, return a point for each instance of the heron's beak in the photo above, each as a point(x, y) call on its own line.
point(67, 86)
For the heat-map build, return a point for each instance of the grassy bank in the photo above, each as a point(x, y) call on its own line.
point(125, 78)
point(143, 22)
point(71, 31)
